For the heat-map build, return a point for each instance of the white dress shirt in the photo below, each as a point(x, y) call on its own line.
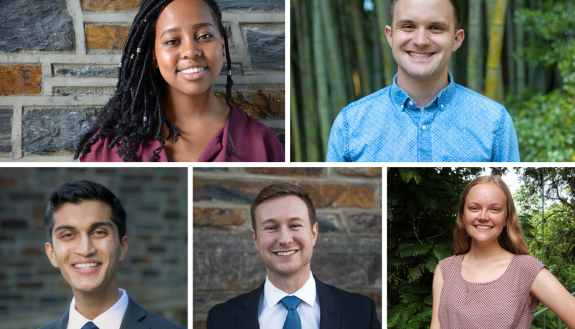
point(272, 314)
point(111, 319)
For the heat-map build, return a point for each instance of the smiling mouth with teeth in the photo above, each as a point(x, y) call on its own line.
point(285, 253)
point(419, 55)
point(483, 227)
point(85, 265)
point(193, 70)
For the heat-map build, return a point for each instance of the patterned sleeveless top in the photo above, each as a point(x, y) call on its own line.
point(502, 303)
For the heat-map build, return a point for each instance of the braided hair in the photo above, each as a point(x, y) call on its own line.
point(135, 110)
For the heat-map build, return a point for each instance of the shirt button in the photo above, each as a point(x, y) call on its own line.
point(410, 103)
point(424, 127)
point(401, 106)
point(441, 105)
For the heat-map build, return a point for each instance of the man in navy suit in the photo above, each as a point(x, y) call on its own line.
point(85, 227)
point(284, 232)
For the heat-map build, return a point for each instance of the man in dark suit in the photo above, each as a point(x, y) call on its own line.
point(284, 232)
point(85, 227)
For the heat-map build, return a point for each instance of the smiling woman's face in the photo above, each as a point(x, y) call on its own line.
point(485, 212)
point(189, 48)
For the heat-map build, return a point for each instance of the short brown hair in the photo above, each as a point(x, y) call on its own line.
point(280, 190)
point(510, 239)
point(454, 4)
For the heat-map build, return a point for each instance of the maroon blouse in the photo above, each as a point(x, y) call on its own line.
point(254, 142)
point(502, 303)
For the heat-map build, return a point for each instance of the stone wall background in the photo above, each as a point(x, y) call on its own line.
point(347, 252)
point(155, 273)
point(59, 58)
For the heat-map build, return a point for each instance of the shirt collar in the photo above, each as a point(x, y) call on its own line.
point(306, 293)
point(111, 319)
point(400, 98)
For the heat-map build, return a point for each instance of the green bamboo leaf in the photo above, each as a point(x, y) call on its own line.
point(428, 300)
point(412, 249)
point(406, 298)
point(440, 252)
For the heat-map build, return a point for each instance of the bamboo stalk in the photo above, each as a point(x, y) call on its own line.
point(338, 95)
point(307, 84)
point(360, 46)
point(348, 58)
point(474, 45)
point(382, 9)
point(492, 79)
point(519, 42)
point(376, 61)
point(295, 137)
point(509, 42)
point(320, 77)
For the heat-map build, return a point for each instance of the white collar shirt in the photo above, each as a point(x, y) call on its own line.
point(272, 314)
point(111, 319)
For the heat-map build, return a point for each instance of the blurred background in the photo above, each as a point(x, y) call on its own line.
point(155, 272)
point(421, 218)
point(348, 249)
point(520, 53)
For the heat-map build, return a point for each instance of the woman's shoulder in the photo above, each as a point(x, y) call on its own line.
point(528, 261)
point(101, 152)
point(253, 134)
point(448, 263)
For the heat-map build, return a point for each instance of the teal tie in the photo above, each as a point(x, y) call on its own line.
point(292, 320)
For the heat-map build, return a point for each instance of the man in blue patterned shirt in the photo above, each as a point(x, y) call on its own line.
point(424, 115)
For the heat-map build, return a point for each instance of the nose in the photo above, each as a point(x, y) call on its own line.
point(191, 49)
point(421, 37)
point(285, 237)
point(85, 246)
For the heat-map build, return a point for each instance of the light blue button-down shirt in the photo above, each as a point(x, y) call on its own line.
point(459, 125)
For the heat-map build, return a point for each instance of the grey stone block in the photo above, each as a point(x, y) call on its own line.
point(327, 223)
point(35, 25)
point(90, 71)
point(266, 50)
point(55, 129)
point(6, 130)
point(278, 5)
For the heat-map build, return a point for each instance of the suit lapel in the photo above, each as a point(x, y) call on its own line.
point(329, 312)
point(63, 321)
point(248, 319)
point(134, 314)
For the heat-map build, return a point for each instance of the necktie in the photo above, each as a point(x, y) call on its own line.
point(90, 325)
point(292, 320)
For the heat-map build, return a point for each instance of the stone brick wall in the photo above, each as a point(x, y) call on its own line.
point(348, 250)
point(59, 66)
point(155, 273)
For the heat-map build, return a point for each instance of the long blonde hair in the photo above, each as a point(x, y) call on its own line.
point(510, 239)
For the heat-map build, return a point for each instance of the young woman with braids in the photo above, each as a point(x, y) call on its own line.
point(492, 282)
point(164, 107)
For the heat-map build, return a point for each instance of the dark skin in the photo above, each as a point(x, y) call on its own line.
point(189, 51)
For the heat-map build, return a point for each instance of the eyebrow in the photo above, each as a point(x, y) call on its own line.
point(195, 26)
point(403, 21)
point(274, 221)
point(94, 225)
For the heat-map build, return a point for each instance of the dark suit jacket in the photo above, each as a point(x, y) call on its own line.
point(136, 317)
point(339, 309)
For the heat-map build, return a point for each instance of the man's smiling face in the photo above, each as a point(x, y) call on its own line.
point(284, 236)
point(86, 247)
point(422, 37)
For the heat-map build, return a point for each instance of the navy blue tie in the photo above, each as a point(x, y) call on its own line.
point(90, 325)
point(292, 320)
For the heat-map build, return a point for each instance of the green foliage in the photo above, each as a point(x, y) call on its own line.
point(422, 205)
point(544, 123)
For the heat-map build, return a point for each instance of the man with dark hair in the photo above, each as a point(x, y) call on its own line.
point(424, 115)
point(85, 226)
point(284, 232)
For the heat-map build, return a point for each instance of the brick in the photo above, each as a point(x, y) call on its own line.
point(172, 215)
point(35, 25)
point(67, 91)
point(108, 37)
point(5, 130)
point(367, 172)
point(33, 252)
point(377, 298)
point(86, 71)
point(336, 195)
point(30, 284)
point(157, 249)
point(200, 324)
point(366, 222)
point(20, 79)
point(6, 238)
point(141, 261)
point(39, 212)
point(217, 217)
point(6, 182)
point(226, 190)
point(111, 5)
point(327, 223)
point(14, 224)
point(49, 130)
point(259, 5)
point(262, 104)
point(266, 50)
point(308, 172)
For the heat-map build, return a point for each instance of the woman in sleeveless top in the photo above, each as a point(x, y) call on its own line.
point(164, 107)
point(492, 281)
